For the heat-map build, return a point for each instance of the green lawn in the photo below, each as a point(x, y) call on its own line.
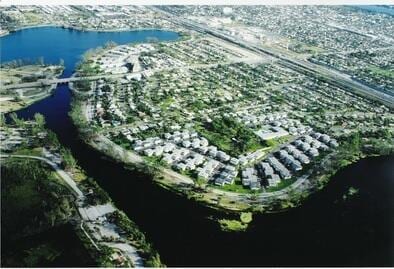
point(232, 225)
point(166, 102)
point(236, 187)
point(386, 73)
point(283, 184)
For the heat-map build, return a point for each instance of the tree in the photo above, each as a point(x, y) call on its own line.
point(154, 261)
point(110, 44)
point(87, 55)
point(51, 139)
point(200, 182)
point(40, 120)
point(68, 160)
point(17, 98)
point(18, 122)
point(2, 120)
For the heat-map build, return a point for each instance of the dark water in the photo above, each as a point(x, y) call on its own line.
point(326, 231)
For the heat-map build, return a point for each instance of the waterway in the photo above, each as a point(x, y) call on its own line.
point(327, 230)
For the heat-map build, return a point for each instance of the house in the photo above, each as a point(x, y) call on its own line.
point(333, 143)
point(249, 175)
point(308, 139)
point(222, 156)
point(313, 152)
point(273, 180)
point(266, 169)
point(295, 165)
point(158, 151)
point(316, 135)
point(279, 167)
point(186, 143)
point(148, 152)
point(168, 147)
point(234, 161)
point(255, 185)
point(303, 158)
point(204, 142)
point(316, 144)
point(324, 147)
point(220, 181)
point(168, 158)
point(304, 146)
point(324, 138)
point(181, 166)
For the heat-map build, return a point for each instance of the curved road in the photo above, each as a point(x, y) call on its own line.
point(69, 181)
point(127, 156)
point(127, 249)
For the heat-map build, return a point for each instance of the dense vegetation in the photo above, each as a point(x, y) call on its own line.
point(32, 197)
point(354, 147)
point(33, 202)
point(86, 132)
point(230, 136)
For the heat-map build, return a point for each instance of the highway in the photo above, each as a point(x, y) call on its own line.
point(330, 76)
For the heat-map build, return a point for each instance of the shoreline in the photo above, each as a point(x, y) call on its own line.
point(69, 27)
point(289, 196)
point(221, 200)
point(29, 102)
point(258, 206)
point(143, 253)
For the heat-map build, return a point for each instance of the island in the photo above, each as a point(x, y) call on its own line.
point(38, 79)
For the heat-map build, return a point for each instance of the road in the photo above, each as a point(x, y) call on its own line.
point(127, 249)
point(130, 251)
point(48, 82)
point(67, 179)
point(127, 156)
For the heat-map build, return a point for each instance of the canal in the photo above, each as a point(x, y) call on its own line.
point(327, 230)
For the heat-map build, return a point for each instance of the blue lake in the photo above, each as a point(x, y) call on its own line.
point(55, 43)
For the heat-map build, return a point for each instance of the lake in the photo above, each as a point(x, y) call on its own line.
point(55, 43)
point(326, 231)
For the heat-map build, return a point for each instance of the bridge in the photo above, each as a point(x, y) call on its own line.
point(56, 81)
point(49, 82)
